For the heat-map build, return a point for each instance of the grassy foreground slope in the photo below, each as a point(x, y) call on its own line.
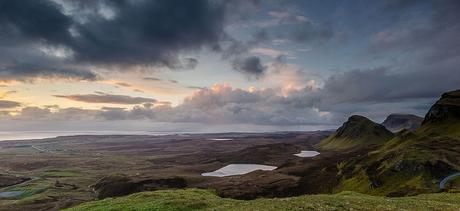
point(194, 199)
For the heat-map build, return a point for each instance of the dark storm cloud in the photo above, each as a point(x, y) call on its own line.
point(435, 38)
point(149, 32)
point(124, 33)
point(425, 55)
point(38, 20)
point(252, 66)
point(27, 71)
point(385, 85)
point(107, 98)
point(23, 26)
point(9, 104)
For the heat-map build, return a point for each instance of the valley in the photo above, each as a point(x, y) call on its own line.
point(60, 175)
point(361, 156)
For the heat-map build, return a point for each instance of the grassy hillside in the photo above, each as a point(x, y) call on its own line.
point(410, 163)
point(358, 131)
point(193, 199)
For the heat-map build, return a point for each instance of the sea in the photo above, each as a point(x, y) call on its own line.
point(30, 135)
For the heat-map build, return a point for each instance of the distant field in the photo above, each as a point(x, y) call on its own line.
point(65, 167)
point(192, 199)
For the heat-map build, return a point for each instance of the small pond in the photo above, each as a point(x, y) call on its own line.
point(221, 139)
point(10, 194)
point(238, 169)
point(307, 154)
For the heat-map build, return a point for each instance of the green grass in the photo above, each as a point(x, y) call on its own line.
point(343, 143)
point(30, 189)
point(410, 153)
point(333, 143)
point(60, 173)
point(195, 199)
point(450, 128)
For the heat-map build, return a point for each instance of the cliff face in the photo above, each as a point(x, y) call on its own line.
point(446, 108)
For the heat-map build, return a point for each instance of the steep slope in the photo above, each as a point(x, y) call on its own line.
point(445, 109)
point(398, 122)
point(412, 162)
point(358, 131)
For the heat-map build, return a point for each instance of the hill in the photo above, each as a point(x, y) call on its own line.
point(193, 199)
point(412, 162)
point(357, 132)
point(445, 109)
point(398, 122)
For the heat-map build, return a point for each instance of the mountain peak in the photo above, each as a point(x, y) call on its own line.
point(355, 132)
point(398, 122)
point(355, 126)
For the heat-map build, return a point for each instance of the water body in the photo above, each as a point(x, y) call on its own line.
point(238, 169)
point(11, 194)
point(442, 184)
point(221, 139)
point(28, 135)
point(307, 154)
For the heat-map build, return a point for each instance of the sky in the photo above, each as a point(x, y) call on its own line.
point(217, 65)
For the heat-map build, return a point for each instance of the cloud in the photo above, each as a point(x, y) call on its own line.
point(195, 87)
point(9, 104)
point(251, 66)
point(142, 33)
point(422, 52)
point(32, 32)
point(220, 104)
point(387, 85)
point(123, 84)
point(299, 28)
point(152, 79)
point(223, 104)
point(327, 105)
point(268, 52)
point(434, 38)
point(28, 71)
point(4, 94)
point(63, 39)
point(107, 98)
point(309, 32)
point(35, 21)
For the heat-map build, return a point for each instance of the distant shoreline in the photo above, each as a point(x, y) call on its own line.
point(40, 135)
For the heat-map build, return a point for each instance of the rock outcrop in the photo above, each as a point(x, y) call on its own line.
point(120, 185)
